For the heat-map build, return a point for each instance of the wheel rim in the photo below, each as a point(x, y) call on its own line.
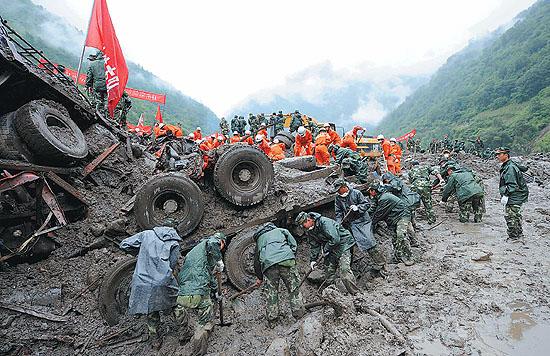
point(169, 206)
point(60, 129)
point(247, 264)
point(245, 176)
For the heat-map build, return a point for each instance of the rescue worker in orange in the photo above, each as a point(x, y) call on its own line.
point(235, 138)
point(396, 153)
point(197, 134)
point(263, 130)
point(350, 138)
point(248, 138)
point(385, 145)
point(161, 129)
point(334, 137)
point(303, 144)
point(262, 144)
point(321, 148)
point(221, 140)
point(277, 150)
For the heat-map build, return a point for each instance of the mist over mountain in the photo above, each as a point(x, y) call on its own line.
point(62, 43)
point(356, 96)
point(497, 88)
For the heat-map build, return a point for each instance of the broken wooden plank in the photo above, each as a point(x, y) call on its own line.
point(26, 166)
point(66, 186)
point(129, 205)
point(99, 159)
point(35, 313)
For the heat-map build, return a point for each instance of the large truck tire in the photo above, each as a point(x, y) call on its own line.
point(50, 133)
point(114, 291)
point(239, 260)
point(288, 135)
point(11, 146)
point(284, 139)
point(243, 175)
point(168, 198)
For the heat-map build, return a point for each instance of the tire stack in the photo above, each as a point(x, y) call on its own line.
point(285, 137)
point(41, 132)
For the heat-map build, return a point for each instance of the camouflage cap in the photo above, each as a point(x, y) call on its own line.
point(338, 183)
point(346, 163)
point(220, 236)
point(376, 186)
point(415, 162)
point(502, 150)
point(301, 218)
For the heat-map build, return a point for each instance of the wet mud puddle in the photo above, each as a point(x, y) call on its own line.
point(521, 330)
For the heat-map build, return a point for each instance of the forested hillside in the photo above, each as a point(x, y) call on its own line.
point(62, 44)
point(498, 88)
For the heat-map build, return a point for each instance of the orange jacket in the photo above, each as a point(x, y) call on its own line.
point(349, 141)
point(321, 150)
point(334, 137)
point(395, 150)
point(303, 144)
point(249, 140)
point(235, 139)
point(263, 132)
point(264, 146)
point(197, 135)
point(386, 148)
point(277, 151)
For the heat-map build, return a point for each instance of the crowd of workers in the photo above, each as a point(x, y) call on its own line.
point(393, 198)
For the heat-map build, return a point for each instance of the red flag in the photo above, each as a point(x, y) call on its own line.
point(101, 35)
point(158, 117)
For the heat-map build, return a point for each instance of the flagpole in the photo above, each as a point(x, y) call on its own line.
point(84, 46)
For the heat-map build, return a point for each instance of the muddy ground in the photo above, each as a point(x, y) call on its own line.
point(470, 292)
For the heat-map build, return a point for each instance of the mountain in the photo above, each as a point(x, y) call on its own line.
point(62, 43)
point(346, 97)
point(498, 88)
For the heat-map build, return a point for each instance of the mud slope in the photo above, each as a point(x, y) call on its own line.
point(446, 304)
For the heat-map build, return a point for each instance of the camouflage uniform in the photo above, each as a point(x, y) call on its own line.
point(224, 127)
point(96, 80)
point(358, 168)
point(513, 185)
point(296, 121)
point(254, 123)
point(401, 245)
point(420, 183)
point(275, 260)
point(291, 280)
point(204, 308)
point(468, 191)
point(123, 107)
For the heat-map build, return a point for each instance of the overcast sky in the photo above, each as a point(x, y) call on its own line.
point(220, 52)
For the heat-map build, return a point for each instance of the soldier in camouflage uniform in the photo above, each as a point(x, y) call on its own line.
point(335, 242)
point(419, 178)
point(296, 121)
point(122, 109)
point(279, 122)
point(275, 260)
point(468, 193)
point(342, 152)
point(197, 283)
point(96, 83)
point(235, 123)
point(359, 169)
point(242, 125)
point(254, 123)
point(224, 127)
point(513, 191)
point(389, 208)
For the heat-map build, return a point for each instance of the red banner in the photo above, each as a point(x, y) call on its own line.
point(145, 95)
point(101, 35)
point(406, 136)
point(134, 93)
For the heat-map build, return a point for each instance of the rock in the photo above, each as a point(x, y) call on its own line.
point(278, 347)
point(97, 230)
point(310, 334)
point(115, 228)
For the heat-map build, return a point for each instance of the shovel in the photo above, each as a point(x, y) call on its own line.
point(220, 302)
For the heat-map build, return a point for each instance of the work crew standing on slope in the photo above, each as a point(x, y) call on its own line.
point(513, 191)
point(328, 237)
point(275, 260)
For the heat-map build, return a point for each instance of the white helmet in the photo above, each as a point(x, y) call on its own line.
point(247, 132)
point(380, 137)
point(191, 135)
point(220, 138)
point(259, 138)
point(235, 133)
point(198, 128)
point(263, 124)
point(301, 131)
point(275, 140)
point(393, 139)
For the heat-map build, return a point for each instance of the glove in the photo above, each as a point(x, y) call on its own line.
point(504, 200)
point(312, 264)
point(219, 266)
point(354, 208)
point(218, 296)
